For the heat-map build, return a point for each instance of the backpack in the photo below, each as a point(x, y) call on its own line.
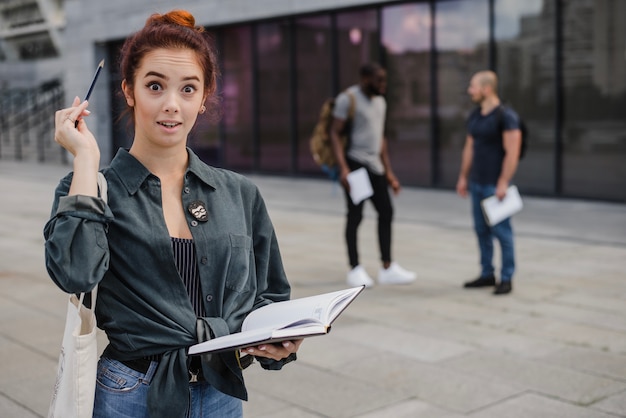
point(522, 127)
point(321, 145)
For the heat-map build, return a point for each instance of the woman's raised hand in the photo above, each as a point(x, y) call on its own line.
point(75, 137)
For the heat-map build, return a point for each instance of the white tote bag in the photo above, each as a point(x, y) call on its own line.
point(75, 384)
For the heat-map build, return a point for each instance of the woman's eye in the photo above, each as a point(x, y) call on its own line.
point(189, 89)
point(154, 86)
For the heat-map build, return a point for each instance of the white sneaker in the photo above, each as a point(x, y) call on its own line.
point(395, 275)
point(359, 277)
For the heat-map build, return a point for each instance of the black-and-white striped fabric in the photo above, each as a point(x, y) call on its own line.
point(185, 259)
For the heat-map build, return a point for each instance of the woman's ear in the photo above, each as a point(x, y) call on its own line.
point(128, 93)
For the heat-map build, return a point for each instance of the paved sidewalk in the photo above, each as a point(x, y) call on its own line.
point(555, 347)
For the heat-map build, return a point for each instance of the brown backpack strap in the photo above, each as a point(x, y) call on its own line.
point(352, 108)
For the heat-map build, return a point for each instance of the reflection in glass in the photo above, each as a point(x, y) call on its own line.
point(357, 37)
point(462, 30)
point(313, 61)
point(525, 39)
point(273, 89)
point(204, 137)
point(236, 94)
point(405, 36)
point(594, 77)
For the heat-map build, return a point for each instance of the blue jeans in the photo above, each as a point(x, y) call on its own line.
point(485, 234)
point(122, 392)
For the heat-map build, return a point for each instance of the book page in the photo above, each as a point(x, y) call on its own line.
point(313, 309)
point(360, 185)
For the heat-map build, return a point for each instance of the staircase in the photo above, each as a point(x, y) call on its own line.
point(27, 123)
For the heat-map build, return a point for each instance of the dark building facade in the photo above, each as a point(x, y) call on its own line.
point(561, 63)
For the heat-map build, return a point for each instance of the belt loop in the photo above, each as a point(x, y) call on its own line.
point(151, 371)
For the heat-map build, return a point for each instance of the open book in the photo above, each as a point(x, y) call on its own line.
point(287, 320)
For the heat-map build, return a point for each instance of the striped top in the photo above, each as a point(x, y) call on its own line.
point(185, 259)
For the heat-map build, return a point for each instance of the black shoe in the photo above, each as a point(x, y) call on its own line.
point(482, 282)
point(503, 288)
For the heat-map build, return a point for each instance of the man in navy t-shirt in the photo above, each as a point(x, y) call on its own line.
point(488, 163)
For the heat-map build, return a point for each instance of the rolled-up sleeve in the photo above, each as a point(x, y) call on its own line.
point(76, 246)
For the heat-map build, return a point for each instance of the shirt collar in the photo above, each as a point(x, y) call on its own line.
point(132, 173)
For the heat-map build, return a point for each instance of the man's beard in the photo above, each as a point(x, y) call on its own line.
point(478, 99)
point(374, 91)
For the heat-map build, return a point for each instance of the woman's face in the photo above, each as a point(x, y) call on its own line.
point(167, 96)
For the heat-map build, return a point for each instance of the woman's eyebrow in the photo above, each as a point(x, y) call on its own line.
point(159, 75)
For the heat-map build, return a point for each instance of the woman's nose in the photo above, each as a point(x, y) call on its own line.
point(171, 104)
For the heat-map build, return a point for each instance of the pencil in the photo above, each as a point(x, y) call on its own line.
point(93, 83)
point(95, 77)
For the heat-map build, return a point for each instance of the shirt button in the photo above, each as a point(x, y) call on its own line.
point(204, 260)
point(187, 190)
point(209, 298)
point(194, 223)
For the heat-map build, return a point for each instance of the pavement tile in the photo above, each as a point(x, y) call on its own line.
point(11, 409)
point(555, 381)
point(615, 404)
point(321, 391)
point(589, 361)
point(409, 344)
point(410, 409)
point(536, 406)
point(573, 334)
point(435, 384)
point(262, 406)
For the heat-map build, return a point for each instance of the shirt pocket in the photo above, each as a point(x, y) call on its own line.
point(238, 275)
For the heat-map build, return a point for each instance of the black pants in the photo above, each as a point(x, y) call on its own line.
point(382, 203)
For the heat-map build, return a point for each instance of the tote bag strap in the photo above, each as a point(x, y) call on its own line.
point(103, 187)
point(94, 297)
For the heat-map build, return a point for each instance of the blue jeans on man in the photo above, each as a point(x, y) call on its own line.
point(503, 232)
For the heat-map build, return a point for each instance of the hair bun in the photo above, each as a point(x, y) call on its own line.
point(175, 17)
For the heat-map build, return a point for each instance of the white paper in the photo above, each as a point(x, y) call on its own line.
point(360, 185)
point(497, 210)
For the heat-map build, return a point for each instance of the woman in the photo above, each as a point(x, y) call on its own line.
point(181, 253)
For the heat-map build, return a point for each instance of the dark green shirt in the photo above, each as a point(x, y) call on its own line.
point(125, 248)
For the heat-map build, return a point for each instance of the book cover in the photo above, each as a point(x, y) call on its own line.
point(496, 210)
point(360, 185)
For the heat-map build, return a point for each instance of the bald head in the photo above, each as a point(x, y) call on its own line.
point(487, 79)
point(483, 86)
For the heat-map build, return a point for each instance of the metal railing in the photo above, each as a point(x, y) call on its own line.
point(27, 123)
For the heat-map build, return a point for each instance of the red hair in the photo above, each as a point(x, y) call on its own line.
point(175, 29)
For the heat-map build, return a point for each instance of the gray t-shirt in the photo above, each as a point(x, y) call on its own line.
point(368, 126)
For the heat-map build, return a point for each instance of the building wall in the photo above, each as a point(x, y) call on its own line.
point(283, 58)
point(92, 23)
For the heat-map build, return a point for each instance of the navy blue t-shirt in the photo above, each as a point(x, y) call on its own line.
point(488, 149)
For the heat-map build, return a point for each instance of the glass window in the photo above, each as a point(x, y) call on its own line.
point(462, 35)
point(358, 43)
point(122, 128)
point(406, 41)
point(204, 137)
point(594, 78)
point(236, 94)
point(273, 89)
point(525, 39)
point(314, 83)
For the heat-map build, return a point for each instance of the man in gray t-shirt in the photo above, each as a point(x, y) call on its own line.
point(368, 125)
point(367, 148)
